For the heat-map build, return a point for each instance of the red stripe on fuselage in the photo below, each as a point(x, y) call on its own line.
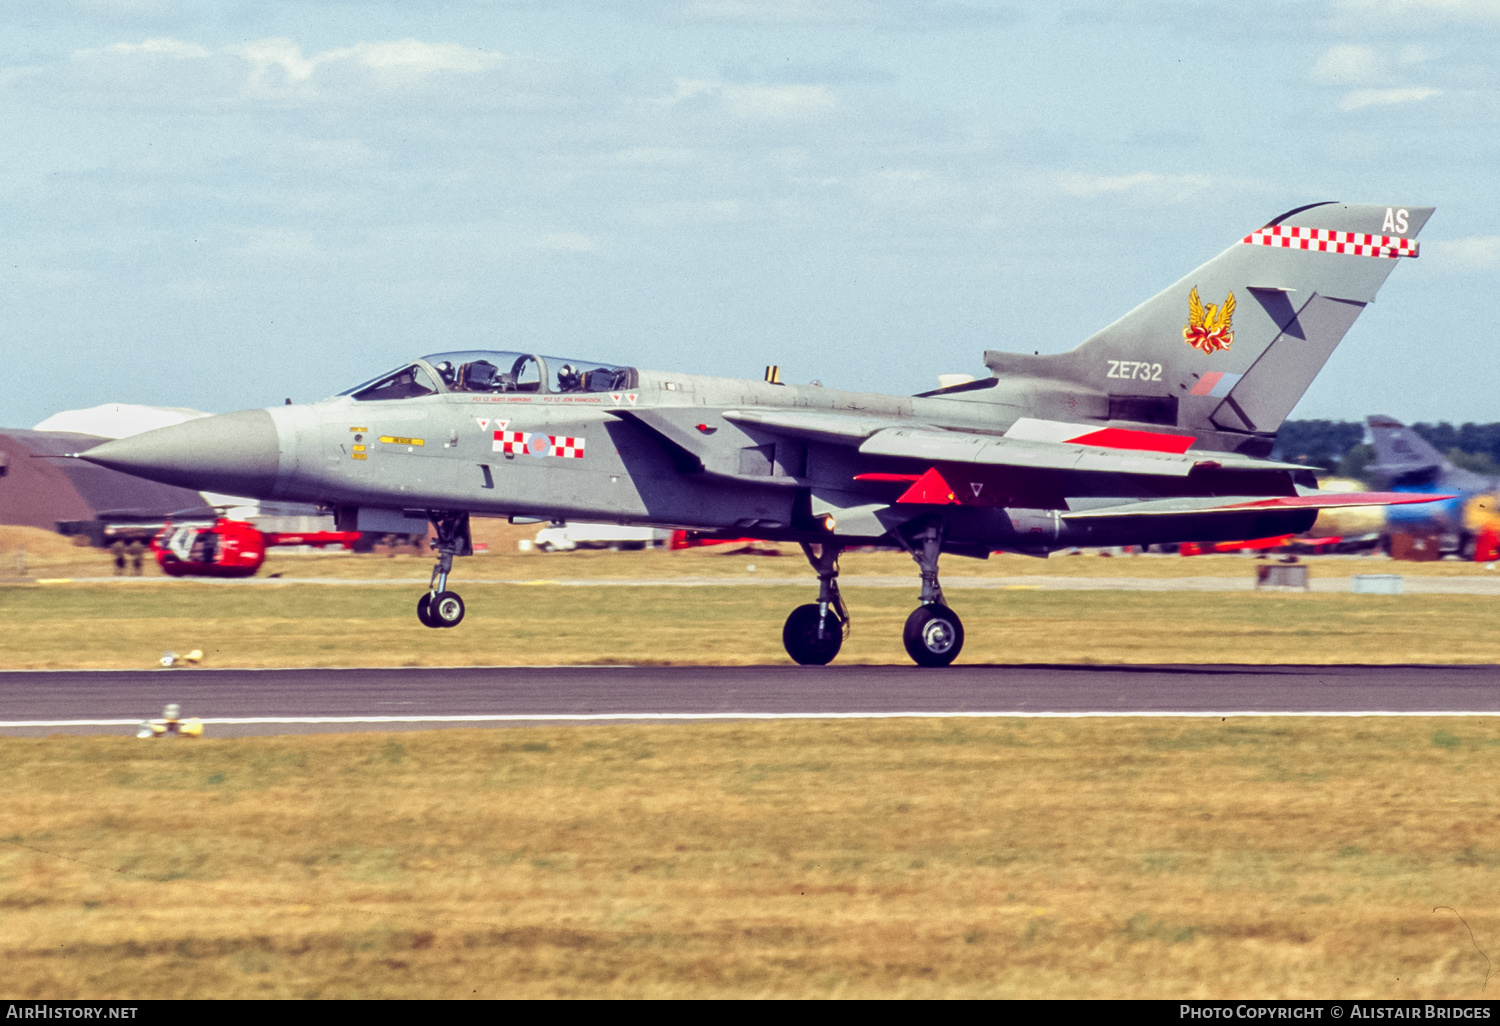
point(1145, 441)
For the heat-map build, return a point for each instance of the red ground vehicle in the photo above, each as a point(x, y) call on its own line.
point(229, 548)
point(1255, 545)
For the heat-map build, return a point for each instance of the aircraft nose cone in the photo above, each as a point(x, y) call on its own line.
point(234, 453)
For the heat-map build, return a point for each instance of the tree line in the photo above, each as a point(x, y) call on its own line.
point(1339, 447)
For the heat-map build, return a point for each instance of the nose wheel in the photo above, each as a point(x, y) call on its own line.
point(445, 609)
point(812, 636)
point(814, 633)
point(441, 607)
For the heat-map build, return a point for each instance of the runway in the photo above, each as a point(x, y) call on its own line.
point(242, 702)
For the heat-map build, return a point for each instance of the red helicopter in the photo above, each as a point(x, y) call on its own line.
point(229, 548)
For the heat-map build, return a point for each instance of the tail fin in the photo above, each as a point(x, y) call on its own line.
point(1232, 347)
point(1403, 457)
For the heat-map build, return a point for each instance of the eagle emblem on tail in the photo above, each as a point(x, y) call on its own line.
point(1209, 328)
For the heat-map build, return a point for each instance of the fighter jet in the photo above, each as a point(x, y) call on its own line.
point(1156, 429)
point(1407, 462)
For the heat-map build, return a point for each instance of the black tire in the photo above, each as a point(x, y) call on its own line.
point(424, 611)
point(800, 636)
point(446, 609)
point(934, 635)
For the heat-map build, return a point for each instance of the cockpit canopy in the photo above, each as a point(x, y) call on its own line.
point(488, 371)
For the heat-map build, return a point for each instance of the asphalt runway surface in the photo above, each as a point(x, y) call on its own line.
point(242, 702)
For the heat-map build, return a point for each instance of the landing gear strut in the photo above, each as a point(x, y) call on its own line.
point(934, 634)
point(441, 607)
point(814, 633)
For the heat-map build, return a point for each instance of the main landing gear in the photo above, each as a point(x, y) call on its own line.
point(934, 635)
point(441, 607)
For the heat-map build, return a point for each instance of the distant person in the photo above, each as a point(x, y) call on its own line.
point(118, 551)
point(137, 553)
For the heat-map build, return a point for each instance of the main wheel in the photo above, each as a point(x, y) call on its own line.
point(446, 609)
point(800, 636)
point(934, 635)
point(424, 611)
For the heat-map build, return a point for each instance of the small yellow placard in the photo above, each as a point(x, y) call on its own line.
point(389, 440)
point(359, 429)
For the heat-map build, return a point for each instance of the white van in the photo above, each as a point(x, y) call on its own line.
point(599, 536)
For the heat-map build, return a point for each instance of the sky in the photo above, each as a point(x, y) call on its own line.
point(224, 205)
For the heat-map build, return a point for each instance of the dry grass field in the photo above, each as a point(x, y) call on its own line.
point(109, 626)
point(1042, 858)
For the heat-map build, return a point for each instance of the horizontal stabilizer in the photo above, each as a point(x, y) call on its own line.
point(1253, 504)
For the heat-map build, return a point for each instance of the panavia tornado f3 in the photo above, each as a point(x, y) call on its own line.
point(1157, 429)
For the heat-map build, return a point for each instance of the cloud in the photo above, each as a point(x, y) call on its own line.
point(757, 102)
point(1361, 98)
point(917, 13)
point(1347, 64)
point(779, 102)
point(1089, 186)
point(1459, 10)
point(405, 59)
point(782, 11)
point(152, 48)
point(275, 62)
point(165, 68)
point(280, 63)
point(914, 189)
point(1475, 253)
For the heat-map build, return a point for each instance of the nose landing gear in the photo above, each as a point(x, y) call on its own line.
point(441, 607)
point(814, 633)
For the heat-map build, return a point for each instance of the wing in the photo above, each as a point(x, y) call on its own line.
point(1039, 445)
point(1195, 309)
point(1101, 457)
point(1226, 312)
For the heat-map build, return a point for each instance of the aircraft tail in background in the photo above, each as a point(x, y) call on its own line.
point(1404, 459)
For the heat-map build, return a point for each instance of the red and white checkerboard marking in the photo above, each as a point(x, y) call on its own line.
point(521, 443)
point(567, 447)
point(510, 441)
point(1322, 240)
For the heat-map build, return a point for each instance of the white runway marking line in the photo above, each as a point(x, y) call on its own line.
point(660, 717)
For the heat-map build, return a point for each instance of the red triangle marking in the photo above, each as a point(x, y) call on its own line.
point(930, 489)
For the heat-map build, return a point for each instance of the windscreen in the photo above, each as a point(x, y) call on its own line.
point(406, 383)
